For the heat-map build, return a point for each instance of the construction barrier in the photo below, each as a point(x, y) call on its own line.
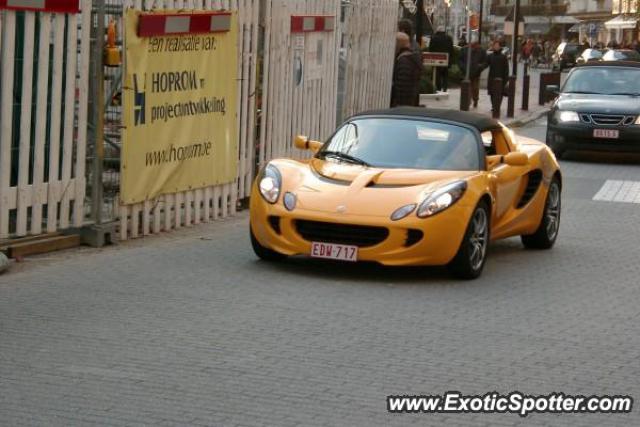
point(61, 163)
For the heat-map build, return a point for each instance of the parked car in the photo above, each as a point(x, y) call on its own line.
point(565, 56)
point(598, 108)
point(590, 55)
point(621, 55)
point(408, 186)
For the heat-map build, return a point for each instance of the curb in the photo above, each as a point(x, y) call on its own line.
point(532, 117)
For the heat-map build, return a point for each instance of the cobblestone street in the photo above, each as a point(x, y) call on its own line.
point(189, 328)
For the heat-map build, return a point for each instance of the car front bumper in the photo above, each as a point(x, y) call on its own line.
point(441, 233)
point(579, 137)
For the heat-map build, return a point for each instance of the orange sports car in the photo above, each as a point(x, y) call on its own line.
point(408, 186)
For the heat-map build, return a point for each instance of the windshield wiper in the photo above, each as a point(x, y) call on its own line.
point(634, 94)
point(344, 156)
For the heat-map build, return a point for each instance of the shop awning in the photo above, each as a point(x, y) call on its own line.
point(566, 20)
point(621, 22)
point(536, 20)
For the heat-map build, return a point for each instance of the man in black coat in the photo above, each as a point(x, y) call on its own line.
point(498, 68)
point(406, 74)
point(443, 43)
point(478, 61)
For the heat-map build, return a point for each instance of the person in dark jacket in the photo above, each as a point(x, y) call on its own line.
point(498, 65)
point(405, 26)
point(478, 61)
point(442, 42)
point(406, 74)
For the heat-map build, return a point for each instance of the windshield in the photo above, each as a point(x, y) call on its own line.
point(404, 143)
point(604, 80)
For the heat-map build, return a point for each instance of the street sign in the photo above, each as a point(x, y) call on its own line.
point(435, 59)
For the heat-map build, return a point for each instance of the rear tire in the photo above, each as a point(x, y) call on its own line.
point(472, 254)
point(263, 253)
point(547, 232)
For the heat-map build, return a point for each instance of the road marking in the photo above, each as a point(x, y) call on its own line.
point(619, 191)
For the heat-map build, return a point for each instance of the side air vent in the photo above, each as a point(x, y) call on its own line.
point(534, 178)
point(413, 237)
point(274, 222)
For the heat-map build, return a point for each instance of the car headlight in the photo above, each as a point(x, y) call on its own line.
point(638, 120)
point(567, 116)
point(442, 199)
point(269, 183)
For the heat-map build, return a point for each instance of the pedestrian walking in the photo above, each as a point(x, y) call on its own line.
point(406, 74)
point(498, 65)
point(406, 26)
point(477, 65)
point(443, 43)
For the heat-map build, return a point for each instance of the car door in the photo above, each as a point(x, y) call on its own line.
point(505, 181)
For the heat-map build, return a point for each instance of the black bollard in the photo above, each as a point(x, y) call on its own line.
point(511, 100)
point(526, 81)
point(497, 88)
point(465, 95)
point(525, 87)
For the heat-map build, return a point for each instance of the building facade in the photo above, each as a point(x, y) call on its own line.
point(541, 17)
point(623, 23)
point(592, 14)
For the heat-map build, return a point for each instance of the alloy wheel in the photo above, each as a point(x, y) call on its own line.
point(479, 238)
point(552, 212)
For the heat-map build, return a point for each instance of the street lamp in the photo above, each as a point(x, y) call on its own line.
point(516, 27)
point(419, 13)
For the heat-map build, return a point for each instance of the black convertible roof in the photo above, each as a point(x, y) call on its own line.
point(478, 121)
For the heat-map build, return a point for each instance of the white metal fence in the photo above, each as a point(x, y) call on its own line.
point(43, 115)
point(43, 143)
point(297, 101)
point(370, 29)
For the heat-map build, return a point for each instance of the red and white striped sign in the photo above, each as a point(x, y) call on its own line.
point(160, 24)
point(55, 6)
point(308, 24)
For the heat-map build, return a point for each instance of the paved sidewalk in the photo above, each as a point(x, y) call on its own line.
point(520, 118)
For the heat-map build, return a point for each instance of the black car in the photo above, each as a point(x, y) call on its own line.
point(598, 108)
point(566, 55)
point(621, 55)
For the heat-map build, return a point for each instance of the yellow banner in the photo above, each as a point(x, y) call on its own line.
point(180, 96)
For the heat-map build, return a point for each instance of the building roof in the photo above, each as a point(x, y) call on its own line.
point(478, 121)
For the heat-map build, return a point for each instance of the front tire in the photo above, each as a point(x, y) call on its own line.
point(472, 254)
point(558, 151)
point(547, 232)
point(263, 253)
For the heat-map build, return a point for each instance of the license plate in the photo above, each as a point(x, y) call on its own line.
point(334, 251)
point(606, 133)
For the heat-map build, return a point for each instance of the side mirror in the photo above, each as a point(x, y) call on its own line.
point(516, 159)
point(553, 90)
point(304, 143)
